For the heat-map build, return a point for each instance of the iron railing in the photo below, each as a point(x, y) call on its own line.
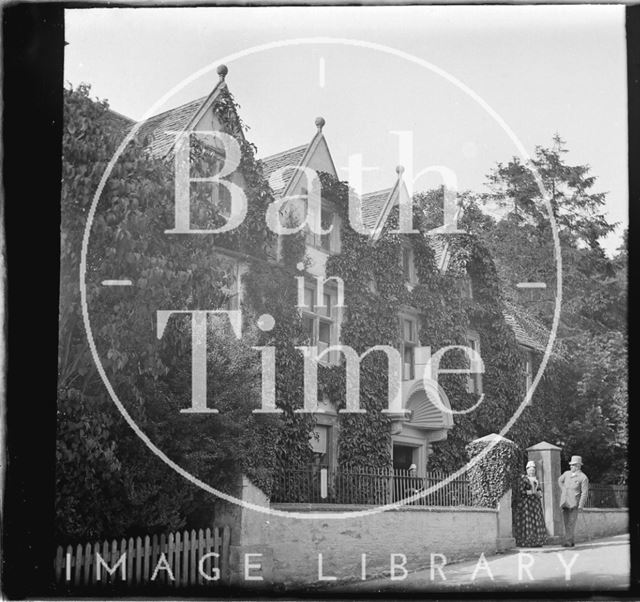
point(602, 495)
point(368, 486)
point(381, 486)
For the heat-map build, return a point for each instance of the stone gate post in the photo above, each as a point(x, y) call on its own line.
point(547, 459)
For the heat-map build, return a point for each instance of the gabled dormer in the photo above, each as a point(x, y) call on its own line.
point(161, 133)
point(376, 207)
point(158, 133)
point(288, 179)
point(160, 136)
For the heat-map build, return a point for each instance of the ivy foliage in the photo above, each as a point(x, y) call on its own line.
point(375, 295)
point(107, 482)
point(494, 474)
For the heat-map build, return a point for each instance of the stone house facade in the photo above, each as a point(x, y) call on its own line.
point(421, 424)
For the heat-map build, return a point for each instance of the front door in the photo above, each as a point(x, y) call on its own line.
point(403, 457)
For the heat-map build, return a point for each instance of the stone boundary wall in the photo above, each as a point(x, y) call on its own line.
point(601, 522)
point(296, 551)
point(410, 534)
point(270, 550)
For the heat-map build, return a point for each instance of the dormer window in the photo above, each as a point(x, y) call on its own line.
point(326, 220)
point(326, 242)
point(209, 160)
point(408, 265)
point(465, 288)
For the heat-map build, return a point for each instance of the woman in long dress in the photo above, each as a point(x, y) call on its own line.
point(528, 524)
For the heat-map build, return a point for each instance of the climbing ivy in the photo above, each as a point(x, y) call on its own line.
point(183, 273)
point(493, 475)
point(375, 294)
point(270, 288)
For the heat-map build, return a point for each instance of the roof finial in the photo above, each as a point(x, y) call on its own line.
point(399, 171)
point(320, 123)
point(222, 71)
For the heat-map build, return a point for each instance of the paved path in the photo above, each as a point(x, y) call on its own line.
point(601, 564)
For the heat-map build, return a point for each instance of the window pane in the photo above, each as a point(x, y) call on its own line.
point(407, 264)
point(327, 300)
point(326, 310)
point(324, 332)
point(309, 298)
point(326, 218)
point(474, 381)
point(408, 330)
point(319, 240)
point(307, 325)
point(529, 369)
point(407, 372)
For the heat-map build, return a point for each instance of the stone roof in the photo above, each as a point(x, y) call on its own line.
point(155, 130)
point(373, 204)
point(290, 158)
point(529, 331)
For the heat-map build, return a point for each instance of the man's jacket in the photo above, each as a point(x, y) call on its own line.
point(574, 487)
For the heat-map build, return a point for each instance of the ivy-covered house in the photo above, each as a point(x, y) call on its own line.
point(409, 291)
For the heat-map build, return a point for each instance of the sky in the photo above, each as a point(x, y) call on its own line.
point(539, 69)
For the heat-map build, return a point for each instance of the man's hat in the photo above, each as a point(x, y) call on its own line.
point(531, 464)
point(576, 460)
point(413, 467)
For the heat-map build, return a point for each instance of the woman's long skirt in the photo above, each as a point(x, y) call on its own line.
point(528, 525)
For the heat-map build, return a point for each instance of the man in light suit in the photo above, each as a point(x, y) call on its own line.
point(574, 488)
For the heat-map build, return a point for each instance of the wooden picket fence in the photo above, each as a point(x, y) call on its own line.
point(80, 566)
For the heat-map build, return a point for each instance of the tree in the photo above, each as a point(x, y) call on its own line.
point(577, 210)
point(522, 243)
point(589, 413)
point(602, 400)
